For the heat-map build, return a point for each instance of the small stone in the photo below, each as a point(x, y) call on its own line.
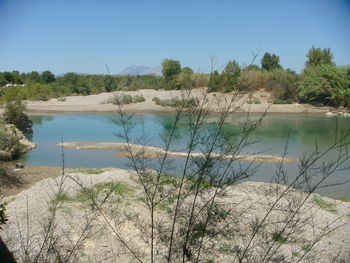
point(330, 114)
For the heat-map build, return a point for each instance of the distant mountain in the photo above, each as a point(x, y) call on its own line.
point(142, 70)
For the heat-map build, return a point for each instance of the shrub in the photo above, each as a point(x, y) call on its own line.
point(253, 80)
point(255, 101)
point(202, 80)
point(328, 206)
point(282, 84)
point(215, 82)
point(125, 99)
point(325, 84)
point(10, 146)
point(14, 114)
point(138, 98)
point(176, 102)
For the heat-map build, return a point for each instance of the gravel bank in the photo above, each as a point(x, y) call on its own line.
point(131, 217)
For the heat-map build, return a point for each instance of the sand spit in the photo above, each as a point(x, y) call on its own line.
point(155, 152)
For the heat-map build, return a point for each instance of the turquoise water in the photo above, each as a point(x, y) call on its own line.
point(304, 132)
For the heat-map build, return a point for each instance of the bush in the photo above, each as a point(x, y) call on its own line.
point(125, 99)
point(215, 82)
point(14, 114)
point(202, 80)
point(176, 102)
point(325, 84)
point(282, 84)
point(254, 101)
point(138, 98)
point(10, 148)
point(253, 79)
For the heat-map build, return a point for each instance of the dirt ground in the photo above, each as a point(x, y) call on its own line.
point(29, 176)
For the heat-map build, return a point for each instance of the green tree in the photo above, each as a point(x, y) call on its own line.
point(325, 84)
point(318, 56)
point(108, 83)
point(17, 77)
point(9, 78)
point(252, 67)
point(34, 77)
point(3, 81)
point(47, 77)
point(170, 68)
point(230, 75)
point(187, 70)
point(15, 114)
point(215, 81)
point(70, 78)
point(186, 79)
point(270, 61)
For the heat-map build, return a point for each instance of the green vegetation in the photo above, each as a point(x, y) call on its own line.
point(175, 102)
point(230, 75)
point(254, 101)
point(325, 84)
point(88, 194)
point(35, 86)
point(270, 62)
point(89, 170)
point(9, 146)
point(321, 82)
point(330, 207)
point(279, 238)
point(318, 56)
point(14, 114)
point(125, 99)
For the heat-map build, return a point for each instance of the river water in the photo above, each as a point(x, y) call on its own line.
point(302, 132)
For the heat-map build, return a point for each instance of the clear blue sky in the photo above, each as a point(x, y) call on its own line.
point(84, 36)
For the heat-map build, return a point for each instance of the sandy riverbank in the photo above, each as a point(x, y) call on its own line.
point(97, 103)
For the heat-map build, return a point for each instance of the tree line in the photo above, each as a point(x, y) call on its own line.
point(321, 81)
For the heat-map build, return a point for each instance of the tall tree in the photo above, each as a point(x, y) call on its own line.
point(170, 68)
point(215, 81)
point(318, 56)
point(34, 77)
point(230, 75)
point(270, 61)
point(47, 77)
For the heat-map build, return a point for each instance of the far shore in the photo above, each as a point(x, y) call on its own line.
point(260, 102)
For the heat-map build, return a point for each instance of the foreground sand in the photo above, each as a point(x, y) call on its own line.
point(97, 103)
point(30, 209)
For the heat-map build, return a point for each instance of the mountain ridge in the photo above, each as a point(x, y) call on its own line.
point(142, 70)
